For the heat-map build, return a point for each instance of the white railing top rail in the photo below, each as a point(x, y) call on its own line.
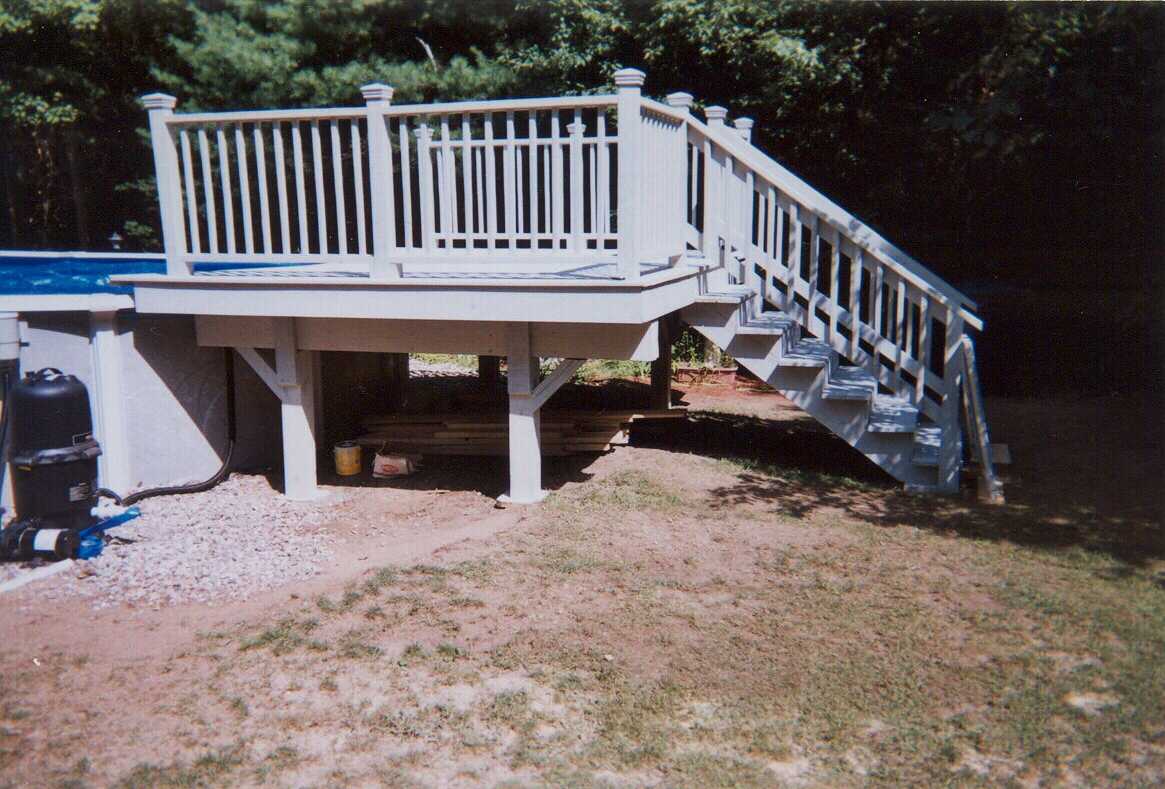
point(858, 232)
point(393, 110)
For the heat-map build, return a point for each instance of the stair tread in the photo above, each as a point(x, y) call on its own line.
point(850, 383)
point(808, 353)
point(890, 414)
point(726, 294)
point(766, 324)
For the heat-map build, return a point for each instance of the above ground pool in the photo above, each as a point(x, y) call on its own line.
point(45, 274)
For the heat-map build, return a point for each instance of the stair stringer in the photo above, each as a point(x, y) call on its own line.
point(804, 386)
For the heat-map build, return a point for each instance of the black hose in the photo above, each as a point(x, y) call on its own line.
point(223, 471)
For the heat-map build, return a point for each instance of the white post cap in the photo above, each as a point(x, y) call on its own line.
point(744, 124)
point(377, 91)
point(630, 78)
point(680, 99)
point(159, 101)
point(716, 115)
point(576, 128)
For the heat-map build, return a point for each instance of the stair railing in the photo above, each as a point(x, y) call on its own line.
point(840, 279)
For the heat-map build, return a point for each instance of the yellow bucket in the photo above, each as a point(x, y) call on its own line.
point(347, 458)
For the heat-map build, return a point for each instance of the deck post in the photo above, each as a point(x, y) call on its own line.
point(161, 109)
point(950, 453)
point(377, 98)
point(630, 84)
point(294, 373)
point(661, 368)
point(524, 428)
point(744, 128)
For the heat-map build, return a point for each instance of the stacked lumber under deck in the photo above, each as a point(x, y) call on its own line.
point(563, 432)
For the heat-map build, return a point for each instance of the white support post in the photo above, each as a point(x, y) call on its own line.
point(377, 98)
point(161, 109)
point(630, 84)
point(743, 127)
point(950, 453)
point(109, 402)
point(294, 374)
point(525, 444)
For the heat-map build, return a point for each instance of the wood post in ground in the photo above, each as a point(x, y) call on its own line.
point(661, 368)
point(398, 380)
point(488, 370)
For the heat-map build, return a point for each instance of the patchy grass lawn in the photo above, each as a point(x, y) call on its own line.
point(675, 620)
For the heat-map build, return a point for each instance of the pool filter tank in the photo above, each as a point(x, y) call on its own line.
point(52, 454)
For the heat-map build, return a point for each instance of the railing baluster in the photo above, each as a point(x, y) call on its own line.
point(191, 194)
point(923, 349)
point(899, 329)
point(244, 190)
point(358, 187)
point(855, 285)
point(425, 185)
point(592, 194)
point(575, 130)
point(491, 185)
point(317, 160)
point(406, 187)
point(467, 181)
point(520, 191)
point(604, 179)
point(479, 172)
point(224, 172)
point(300, 187)
point(281, 189)
point(208, 192)
point(509, 167)
point(878, 308)
point(557, 180)
point(447, 220)
point(264, 199)
point(834, 280)
point(338, 189)
point(533, 176)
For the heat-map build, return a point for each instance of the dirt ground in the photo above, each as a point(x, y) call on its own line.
point(738, 600)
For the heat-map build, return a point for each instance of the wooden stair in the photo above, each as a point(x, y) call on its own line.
point(886, 428)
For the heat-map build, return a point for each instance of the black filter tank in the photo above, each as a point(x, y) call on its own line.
point(51, 449)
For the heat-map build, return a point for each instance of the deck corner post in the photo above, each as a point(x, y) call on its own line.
point(524, 429)
point(294, 374)
point(161, 110)
point(950, 460)
point(377, 98)
point(629, 82)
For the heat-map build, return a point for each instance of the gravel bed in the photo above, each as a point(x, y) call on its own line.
point(226, 544)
